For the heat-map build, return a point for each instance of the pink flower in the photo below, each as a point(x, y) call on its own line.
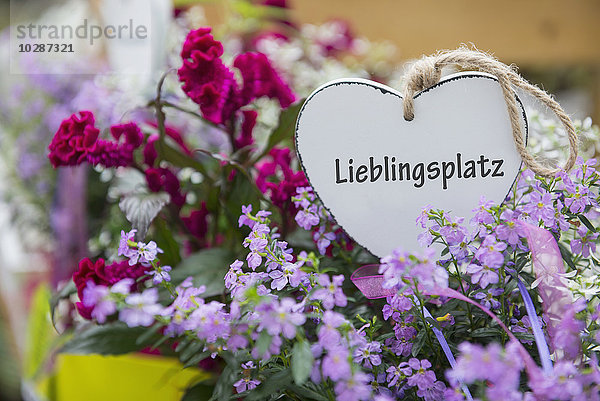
point(73, 141)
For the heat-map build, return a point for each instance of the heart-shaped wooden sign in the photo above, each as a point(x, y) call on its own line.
point(374, 171)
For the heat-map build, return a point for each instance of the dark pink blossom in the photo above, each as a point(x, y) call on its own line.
point(163, 179)
point(74, 139)
point(260, 79)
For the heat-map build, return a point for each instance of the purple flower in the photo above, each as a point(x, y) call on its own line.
point(335, 364)
point(122, 287)
point(483, 215)
point(209, 321)
point(501, 367)
point(145, 253)
point(509, 231)
point(434, 392)
point(141, 308)
point(280, 317)
point(563, 384)
point(331, 294)
point(323, 239)
point(454, 232)
point(98, 297)
point(490, 252)
point(578, 199)
point(395, 376)
point(160, 274)
point(484, 275)
point(487, 298)
point(421, 377)
point(328, 334)
point(244, 220)
point(423, 217)
point(245, 384)
point(307, 218)
point(290, 273)
point(394, 267)
point(540, 207)
point(395, 305)
point(355, 388)
point(124, 249)
point(368, 354)
point(585, 243)
point(428, 274)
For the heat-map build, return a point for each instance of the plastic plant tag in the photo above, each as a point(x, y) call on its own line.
point(374, 171)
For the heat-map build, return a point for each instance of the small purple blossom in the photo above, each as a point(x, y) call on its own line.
point(98, 297)
point(144, 253)
point(160, 274)
point(335, 364)
point(368, 355)
point(141, 308)
point(331, 293)
point(323, 239)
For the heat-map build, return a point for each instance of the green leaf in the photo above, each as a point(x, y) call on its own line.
point(163, 236)
point(66, 291)
point(274, 384)
point(419, 342)
point(302, 362)
point(263, 342)
point(566, 255)
point(198, 392)
point(306, 393)
point(285, 128)
point(486, 332)
point(224, 386)
point(110, 339)
point(587, 223)
point(208, 267)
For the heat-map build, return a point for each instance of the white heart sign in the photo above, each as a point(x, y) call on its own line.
point(374, 171)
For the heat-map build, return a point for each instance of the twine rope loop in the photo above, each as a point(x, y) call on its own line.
point(427, 72)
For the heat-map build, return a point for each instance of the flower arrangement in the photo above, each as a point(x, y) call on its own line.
point(227, 259)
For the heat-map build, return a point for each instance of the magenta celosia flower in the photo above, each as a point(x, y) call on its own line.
point(163, 179)
point(73, 141)
point(77, 141)
point(211, 84)
point(100, 273)
point(245, 138)
point(260, 79)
